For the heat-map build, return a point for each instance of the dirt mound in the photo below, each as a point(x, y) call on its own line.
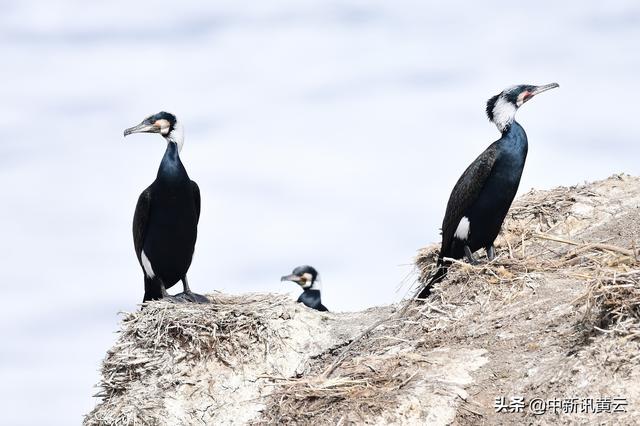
point(557, 310)
point(554, 317)
point(187, 363)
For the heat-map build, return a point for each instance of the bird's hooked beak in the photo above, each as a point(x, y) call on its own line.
point(292, 277)
point(144, 127)
point(540, 89)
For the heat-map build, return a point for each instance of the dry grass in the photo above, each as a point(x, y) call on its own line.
point(360, 381)
point(613, 303)
point(160, 344)
point(366, 387)
point(371, 375)
point(534, 241)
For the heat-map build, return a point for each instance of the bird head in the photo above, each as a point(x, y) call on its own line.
point(305, 276)
point(501, 109)
point(164, 123)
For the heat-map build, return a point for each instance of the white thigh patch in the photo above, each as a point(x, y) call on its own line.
point(147, 265)
point(462, 232)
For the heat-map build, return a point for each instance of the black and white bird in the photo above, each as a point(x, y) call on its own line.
point(307, 277)
point(165, 223)
point(482, 196)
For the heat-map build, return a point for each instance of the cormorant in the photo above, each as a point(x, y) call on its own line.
point(305, 276)
point(482, 196)
point(165, 223)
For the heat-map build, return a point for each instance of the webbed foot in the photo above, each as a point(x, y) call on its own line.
point(173, 299)
point(191, 297)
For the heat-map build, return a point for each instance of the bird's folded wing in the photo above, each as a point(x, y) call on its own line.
point(196, 198)
point(466, 192)
point(140, 219)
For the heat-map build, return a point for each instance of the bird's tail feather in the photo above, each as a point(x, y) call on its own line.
point(437, 276)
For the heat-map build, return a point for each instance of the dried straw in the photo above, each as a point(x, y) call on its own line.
point(534, 241)
point(160, 344)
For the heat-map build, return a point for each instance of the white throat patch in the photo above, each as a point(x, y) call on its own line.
point(464, 227)
point(503, 113)
point(176, 135)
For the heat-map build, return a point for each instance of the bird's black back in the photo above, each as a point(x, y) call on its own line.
point(465, 192)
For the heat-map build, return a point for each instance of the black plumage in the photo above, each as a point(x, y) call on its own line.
point(482, 196)
point(312, 299)
point(306, 277)
point(165, 223)
point(465, 194)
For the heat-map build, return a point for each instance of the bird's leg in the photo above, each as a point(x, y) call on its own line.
point(189, 295)
point(154, 289)
point(491, 252)
point(470, 257)
point(185, 285)
point(163, 290)
point(165, 293)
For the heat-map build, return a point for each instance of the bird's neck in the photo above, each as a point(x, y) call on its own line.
point(312, 292)
point(504, 114)
point(514, 139)
point(171, 167)
point(316, 286)
point(310, 298)
point(177, 135)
